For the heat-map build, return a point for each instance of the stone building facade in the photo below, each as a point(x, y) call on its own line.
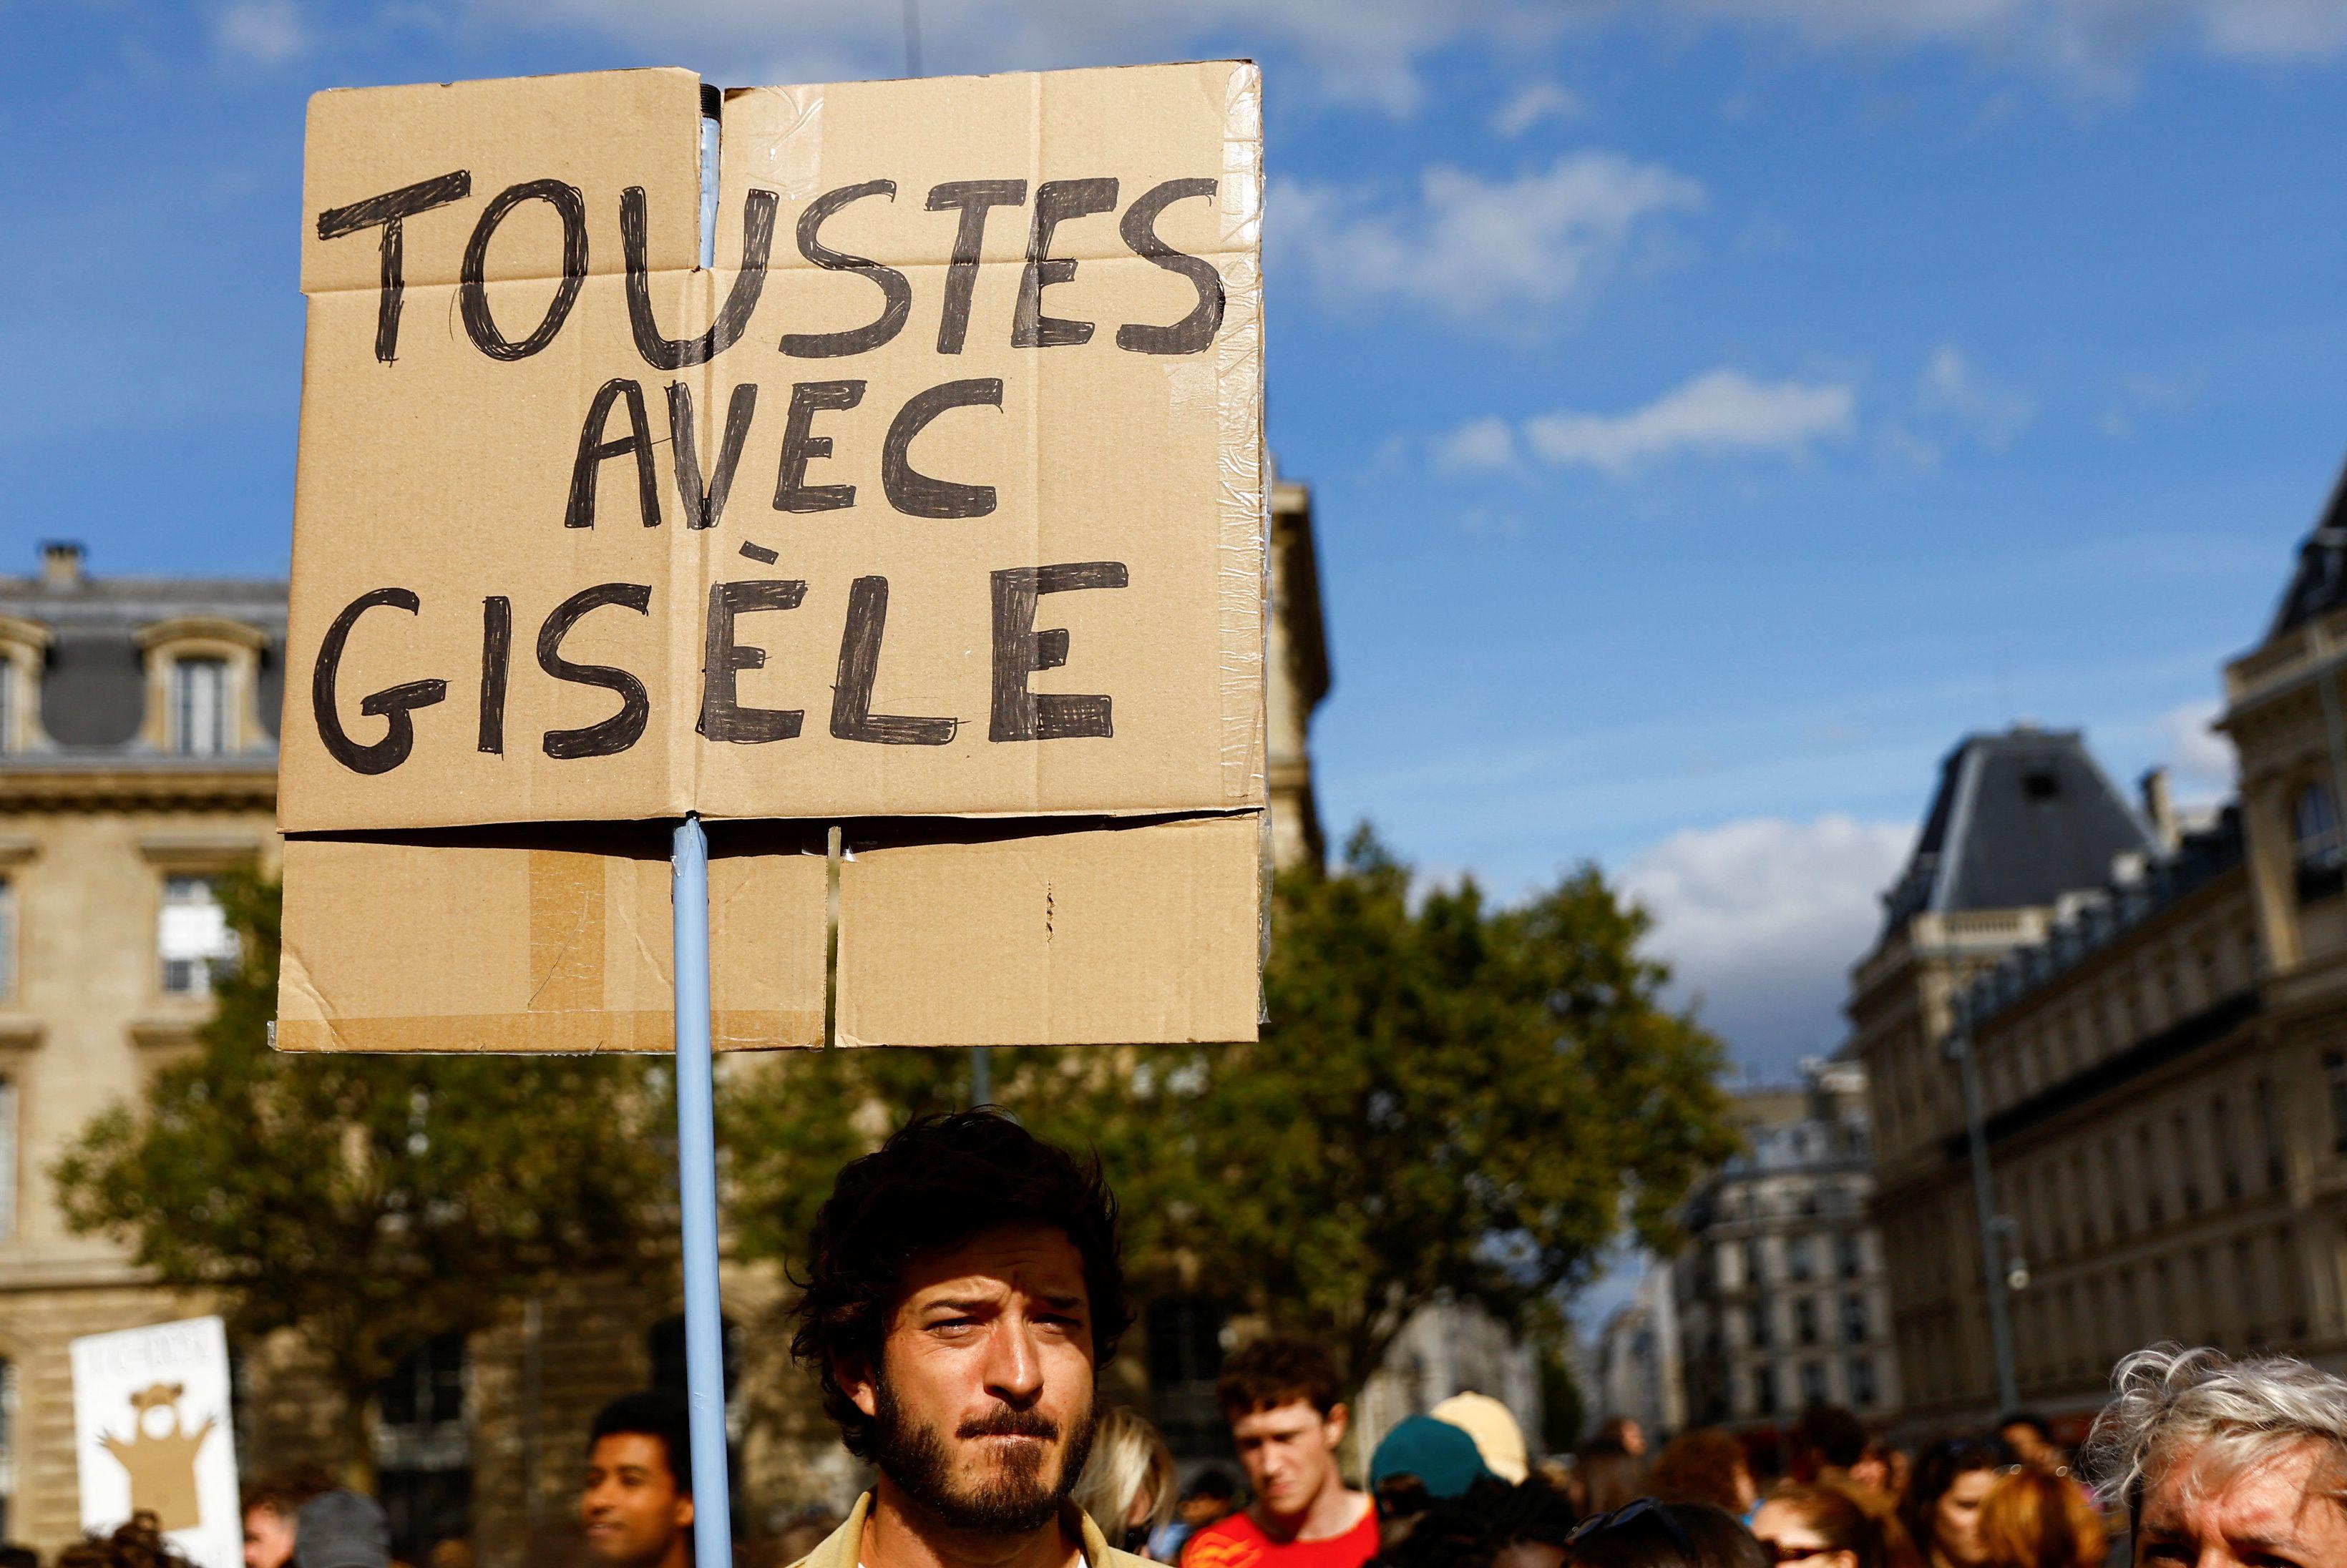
point(138, 761)
point(1781, 1298)
point(2162, 1057)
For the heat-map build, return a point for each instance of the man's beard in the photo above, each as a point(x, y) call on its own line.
point(1012, 1500)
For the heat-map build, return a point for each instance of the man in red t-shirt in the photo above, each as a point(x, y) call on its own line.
point(1280, 1396)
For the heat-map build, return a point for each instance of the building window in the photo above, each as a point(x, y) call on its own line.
point(2334, 1078)
point(1184, 1341)
point(7, 939)
point(7, 1196)
point(1800, 1260)
point(192, 937)
point(1805, 1320)
point(9, 1524)
point(7, 704)
point(1861, 1380)
point(1754, 1274)
point(1756, 1327)
point(423, 1449)
point(1813, 1383)
point(2149, 1172)
point(1849, 1255)
point(1764, 1384)
point(199, 706)
point(2270, 1129)
point(1854, 1319)
point(2220, 1138)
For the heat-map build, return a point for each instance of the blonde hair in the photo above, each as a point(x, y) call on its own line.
point(2227, 1416)
point(1129, 1461)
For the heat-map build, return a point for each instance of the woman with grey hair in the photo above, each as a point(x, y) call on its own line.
point(2220, 1462)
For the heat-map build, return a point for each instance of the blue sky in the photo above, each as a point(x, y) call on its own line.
point(1714, 407)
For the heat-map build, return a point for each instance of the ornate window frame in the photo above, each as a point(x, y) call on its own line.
point(23, 654)
point(237, 646)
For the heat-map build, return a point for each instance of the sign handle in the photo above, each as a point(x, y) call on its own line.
point(696, 1171)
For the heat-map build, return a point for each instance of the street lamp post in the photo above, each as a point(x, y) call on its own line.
point(1958, 1049)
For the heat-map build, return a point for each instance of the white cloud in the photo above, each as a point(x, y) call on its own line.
point(1371, 51)
point(1475, 249)
point(2097, 44)
point(1720, 412)
point(263, 32)
point(1952, 387)
point(1532, 103)
point(2199, 759)
point(1761, 919)
point(1488, 442)
point(1356, 51)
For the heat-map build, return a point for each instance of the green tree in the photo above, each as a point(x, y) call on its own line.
point(371, 1202)
point(1450, 1101)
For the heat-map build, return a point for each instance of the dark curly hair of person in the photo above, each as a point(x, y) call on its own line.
point(1473, 1529)
point(937, 1183)
point(137, 1544)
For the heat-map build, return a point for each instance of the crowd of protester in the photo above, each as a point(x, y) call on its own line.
point(962, 1294)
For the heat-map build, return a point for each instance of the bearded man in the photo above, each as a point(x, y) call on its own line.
point(962, 1293)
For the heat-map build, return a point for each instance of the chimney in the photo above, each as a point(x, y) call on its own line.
point(61, 565)
point(2158, 809)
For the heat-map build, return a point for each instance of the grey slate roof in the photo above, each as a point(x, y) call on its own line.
point(2020, 819)
point(2318, 585)
point(94, 684)
point(2106, 916)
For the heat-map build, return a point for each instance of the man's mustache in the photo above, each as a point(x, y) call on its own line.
point(1010, 1423)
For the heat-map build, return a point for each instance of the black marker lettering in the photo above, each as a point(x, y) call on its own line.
point(917, 494)
point(732, 317)
point(496, 657)
point(1056, 200)
point(594, 452)
point(852, 717)
point(1019, 650)
point(389, 210)
point(975, 197)
point(792, 492)
point(704, 507)
point(623, 728)
point(392, 703)
point(896, 295)
point(1196, 330)
point(722, 716)
point(472, 294)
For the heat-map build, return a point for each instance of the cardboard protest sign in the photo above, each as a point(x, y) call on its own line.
point(152, 1434)
point(939, 495)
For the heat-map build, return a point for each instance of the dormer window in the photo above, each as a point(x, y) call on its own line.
point(2315, 843)
point(24, 647)
point(199, 706)
point(202, 672)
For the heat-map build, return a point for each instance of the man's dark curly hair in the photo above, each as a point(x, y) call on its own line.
point(938, 1182)
point(1270, 1373)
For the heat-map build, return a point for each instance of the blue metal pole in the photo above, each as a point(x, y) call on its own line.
point(696, 1168)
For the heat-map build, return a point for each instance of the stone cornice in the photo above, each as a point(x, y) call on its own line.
point(106, 789)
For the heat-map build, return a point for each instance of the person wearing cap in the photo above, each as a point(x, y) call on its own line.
point(1422, 1462)
point(342, 1530)
point(1496, 1437)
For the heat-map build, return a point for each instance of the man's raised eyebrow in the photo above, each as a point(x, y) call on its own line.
point(1066, 1301)
point(959, 1304)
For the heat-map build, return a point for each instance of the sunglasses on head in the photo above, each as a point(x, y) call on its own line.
point(1629, 1513)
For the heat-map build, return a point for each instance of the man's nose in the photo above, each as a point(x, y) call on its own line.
point(1013, 1371)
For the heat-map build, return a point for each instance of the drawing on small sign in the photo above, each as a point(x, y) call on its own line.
point(161, 1456)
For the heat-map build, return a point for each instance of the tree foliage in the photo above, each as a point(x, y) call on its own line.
point(1450, 1101)
point(373, 1202)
